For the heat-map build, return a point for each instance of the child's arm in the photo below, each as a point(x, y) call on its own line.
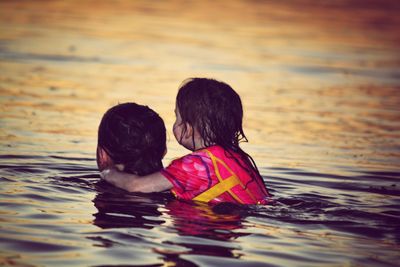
point(154, 182)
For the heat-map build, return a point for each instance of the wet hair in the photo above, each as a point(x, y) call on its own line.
point(215, 110)
point(135, 136)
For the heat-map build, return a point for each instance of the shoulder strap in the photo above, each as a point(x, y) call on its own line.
point(224, 185)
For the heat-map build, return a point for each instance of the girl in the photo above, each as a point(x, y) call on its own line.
point(208, 122)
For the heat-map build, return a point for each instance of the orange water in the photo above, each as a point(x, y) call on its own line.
point(319, 83)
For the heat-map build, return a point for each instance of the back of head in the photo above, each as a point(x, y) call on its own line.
point(135, 136)
point(214, 109)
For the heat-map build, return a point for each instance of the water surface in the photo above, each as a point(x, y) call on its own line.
point(320, 86)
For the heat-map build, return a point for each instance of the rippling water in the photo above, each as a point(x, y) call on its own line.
point(320, 84)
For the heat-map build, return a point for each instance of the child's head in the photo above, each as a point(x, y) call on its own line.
point(211, 112)
point(211, 109)
point(132, 136)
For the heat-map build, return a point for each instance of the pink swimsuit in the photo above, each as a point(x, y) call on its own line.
point(211, 175)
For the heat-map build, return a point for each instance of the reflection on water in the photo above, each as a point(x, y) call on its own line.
point(320, 85)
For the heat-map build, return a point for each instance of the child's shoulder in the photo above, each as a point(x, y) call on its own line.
point(198, 156)
point(216, 150)
point(207, 152)
point(196, 164)
point(203, 155)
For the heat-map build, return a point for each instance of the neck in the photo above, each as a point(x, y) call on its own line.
point(198, 143)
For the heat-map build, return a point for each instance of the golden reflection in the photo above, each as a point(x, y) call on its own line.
point(319, 81)
point(320, 77)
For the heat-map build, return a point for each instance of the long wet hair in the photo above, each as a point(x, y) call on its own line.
point(135, 136)
point(215, 110)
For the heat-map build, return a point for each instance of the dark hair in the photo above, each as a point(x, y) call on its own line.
point(135, 136)
point(215, 110)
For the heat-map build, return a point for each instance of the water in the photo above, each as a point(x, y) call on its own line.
point(320, 85)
